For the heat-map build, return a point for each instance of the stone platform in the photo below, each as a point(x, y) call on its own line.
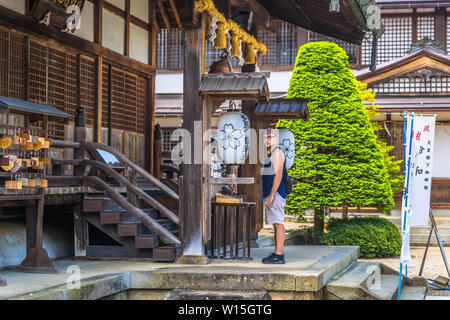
point(304, 276)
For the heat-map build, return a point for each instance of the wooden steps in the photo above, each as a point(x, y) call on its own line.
point(137, 240)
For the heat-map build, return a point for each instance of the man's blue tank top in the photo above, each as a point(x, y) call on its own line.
point(270, 175)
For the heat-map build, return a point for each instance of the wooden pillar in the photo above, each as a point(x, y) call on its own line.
point(80, 232)
point(150, 96)
point(192, 212)
point(31, 222)
point(440, 25)
point(253, 191)
point(158, 147)
point(37, 260)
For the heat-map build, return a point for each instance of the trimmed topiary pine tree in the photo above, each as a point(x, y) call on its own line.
point(338, 161)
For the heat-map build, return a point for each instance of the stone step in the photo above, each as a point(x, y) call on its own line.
point(440, 221)
point(413, 293)
point(180, 294)
point(385, 287)
point(354, 282)
point(423, 238)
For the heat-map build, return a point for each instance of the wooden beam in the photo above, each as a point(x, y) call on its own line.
point(175, 13)
point(98, 22)
point(127, 28)
point(414, 25)
point(28, 25)
point(164, 15)
point(155, 23)
point(114, 10)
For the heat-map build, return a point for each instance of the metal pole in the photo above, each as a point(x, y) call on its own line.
point(426, 250)
point(406, 204)
point(438, 238)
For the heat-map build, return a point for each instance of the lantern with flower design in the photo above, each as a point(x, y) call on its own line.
point(286, 141)
point(233, 133)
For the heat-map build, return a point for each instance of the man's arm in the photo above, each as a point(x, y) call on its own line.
point(277, 160)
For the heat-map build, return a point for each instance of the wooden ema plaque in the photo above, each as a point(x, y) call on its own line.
point(13, 185)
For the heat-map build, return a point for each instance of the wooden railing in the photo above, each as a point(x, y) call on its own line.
point(87, 166)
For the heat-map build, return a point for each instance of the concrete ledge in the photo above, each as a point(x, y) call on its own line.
point(90, 289)
point(307, 270)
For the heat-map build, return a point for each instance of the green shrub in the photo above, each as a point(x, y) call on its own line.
point(376, 237)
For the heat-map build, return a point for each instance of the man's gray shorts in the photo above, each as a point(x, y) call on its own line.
point(275, 214)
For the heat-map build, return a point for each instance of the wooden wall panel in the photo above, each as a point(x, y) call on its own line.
point(87, 88)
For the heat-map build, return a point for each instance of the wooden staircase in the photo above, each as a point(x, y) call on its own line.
point(142, 221)
point(137, 240)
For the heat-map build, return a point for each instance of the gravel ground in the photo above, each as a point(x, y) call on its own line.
point(434, 264)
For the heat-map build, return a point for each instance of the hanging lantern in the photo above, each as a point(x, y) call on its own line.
point(233, 135)
point(286, 141)
point(220, 42)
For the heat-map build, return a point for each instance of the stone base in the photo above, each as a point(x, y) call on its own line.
point(193, 259)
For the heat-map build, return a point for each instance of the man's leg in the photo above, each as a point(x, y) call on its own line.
point(279, 238)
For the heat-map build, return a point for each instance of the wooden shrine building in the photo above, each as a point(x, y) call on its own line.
point(101, 76)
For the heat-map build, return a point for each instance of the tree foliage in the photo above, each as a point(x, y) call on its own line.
point(338, 160)
point(376, 237)
point(392, 165)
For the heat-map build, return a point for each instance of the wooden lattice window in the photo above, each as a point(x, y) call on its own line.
point(128, 101)
point(87, 88)
point(394, 43)
point(16, 68)
point(169, 49)
point(416, 84)
point(281, 46)
point(168, 144)
point(425, 27)
point(351, 49)
point(105, 94)
point(12, 64)
point(37, 72)
point(71, 84)
point(141, 104)
point(448, 32)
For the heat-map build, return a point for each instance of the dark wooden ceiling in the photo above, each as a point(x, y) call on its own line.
point(309, 14)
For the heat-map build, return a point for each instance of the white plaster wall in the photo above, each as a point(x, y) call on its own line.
point(441, 163)
point(138, 43)
point(86, 24)
point(139, 8)
point(279, 82)
point(169, 83)
point(16, 5)
point(119, 3)
point(113, 32)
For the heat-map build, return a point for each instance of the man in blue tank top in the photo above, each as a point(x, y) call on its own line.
point(274, 193)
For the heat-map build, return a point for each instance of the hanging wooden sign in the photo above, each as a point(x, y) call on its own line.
point(41, 183)
point(30, 183)
point(62, 14)
point(13, 185)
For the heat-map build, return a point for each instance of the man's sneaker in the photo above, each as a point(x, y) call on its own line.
point(275, 259)
point(268, 257)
